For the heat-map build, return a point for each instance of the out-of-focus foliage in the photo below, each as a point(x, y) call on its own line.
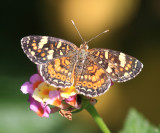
point(136, 123)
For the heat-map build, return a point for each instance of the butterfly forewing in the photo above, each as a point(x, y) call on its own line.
point(42, 49)
point(120, 67)
point(93, 80)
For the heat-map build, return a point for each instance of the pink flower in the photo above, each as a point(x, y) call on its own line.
point(55, 98)
point(72, 100)
point(32, 84)
point(41, 94)
point(41, 109)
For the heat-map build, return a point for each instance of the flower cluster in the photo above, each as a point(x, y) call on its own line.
point(45, 99)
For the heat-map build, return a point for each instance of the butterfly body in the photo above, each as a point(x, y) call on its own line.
point(63, 64)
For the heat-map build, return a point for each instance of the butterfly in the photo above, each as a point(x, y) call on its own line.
point(62, 64)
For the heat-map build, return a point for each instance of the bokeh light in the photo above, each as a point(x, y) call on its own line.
point(94, 16)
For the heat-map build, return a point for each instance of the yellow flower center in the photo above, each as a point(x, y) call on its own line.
point(67, 92)
point(41, 93)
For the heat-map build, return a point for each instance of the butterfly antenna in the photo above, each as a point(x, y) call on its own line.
point(98, 35)
point(77, 31)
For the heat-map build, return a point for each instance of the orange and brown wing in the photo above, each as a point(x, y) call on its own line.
point(120, 67)
point(42, 49)
point(93, 80)
point(59, 72)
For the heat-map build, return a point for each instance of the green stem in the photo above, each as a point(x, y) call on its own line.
point(91, 109)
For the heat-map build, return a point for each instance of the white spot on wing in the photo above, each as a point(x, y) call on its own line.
point(100, 62)
point(29, 50)
point(122, 58)
point(59, 44)
point(50, 56)
point(126, 74)
point(109, 70)
point(55, 81)
point(69, 73)
point(51, 51)
point(89, 90)
point(43, 41)
point(83, 88)
point(61, 52)
point(27, 41)
point(45, 48)
point(106, 54)
point(32, 53)
point(136, 63)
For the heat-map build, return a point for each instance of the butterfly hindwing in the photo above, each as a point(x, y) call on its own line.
point(120, 67)
point(42, 49)
point(93, 80)
point(59, 72)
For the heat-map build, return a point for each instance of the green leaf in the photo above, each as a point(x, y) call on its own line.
point(136, 123)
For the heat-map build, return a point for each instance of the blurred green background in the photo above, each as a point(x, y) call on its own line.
point(134, 29)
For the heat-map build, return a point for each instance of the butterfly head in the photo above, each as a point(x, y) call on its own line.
point(84, 46)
